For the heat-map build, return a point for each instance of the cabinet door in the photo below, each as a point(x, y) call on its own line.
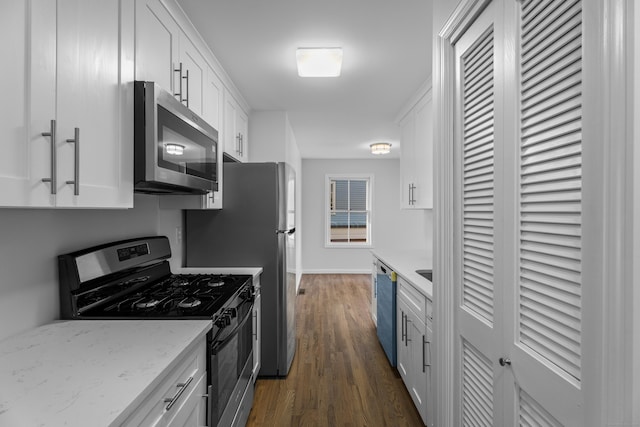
point(194, 73)
point(403, 342)
point(28, 86)
point(236, 125)
point(94, 94)
point(428, 416)
point(231, 135)
point(242, 125)
point(194, 409)
point(213, 105)
point(407, 180)
point(418, 387)
point(157, 36)
point(423, 155)
point(212, 112)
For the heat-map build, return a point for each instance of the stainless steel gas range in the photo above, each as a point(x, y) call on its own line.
point(131, 279)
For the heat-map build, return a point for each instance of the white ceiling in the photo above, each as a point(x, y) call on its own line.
point(387, 57)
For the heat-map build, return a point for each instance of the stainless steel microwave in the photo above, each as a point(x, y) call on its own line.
point(175, 151)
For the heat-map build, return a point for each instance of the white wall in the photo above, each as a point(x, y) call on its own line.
point(272, 139)
point(393, 228)
point(31, 239)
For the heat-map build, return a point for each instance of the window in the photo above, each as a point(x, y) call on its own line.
point(348, 210)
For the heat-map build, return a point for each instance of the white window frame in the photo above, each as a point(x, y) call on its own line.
point(327, 211)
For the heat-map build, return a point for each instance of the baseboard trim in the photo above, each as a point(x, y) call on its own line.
point(364, 271)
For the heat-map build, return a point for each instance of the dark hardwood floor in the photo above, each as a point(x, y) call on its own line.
point(340, 375)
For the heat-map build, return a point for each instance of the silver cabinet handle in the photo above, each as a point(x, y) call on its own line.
point(52, 134)
point(402, 328)
point(76, 163)
point(187, 97)
point(182, 387)
point(412, 193)
point(238, 139)
point(179, 71)
point(424, 363)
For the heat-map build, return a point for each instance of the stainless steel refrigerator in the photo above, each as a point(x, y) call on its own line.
point(255, 228)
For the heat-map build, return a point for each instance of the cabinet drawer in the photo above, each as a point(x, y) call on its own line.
point(153, 410)
point(416, 300)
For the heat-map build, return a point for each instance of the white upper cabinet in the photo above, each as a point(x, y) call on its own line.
point(165, 54)
point(194, 76)
point(236, 126)
point(157, 37)
point(212, 112)
point(416, 154)
point(68, 130)
point(94, 103)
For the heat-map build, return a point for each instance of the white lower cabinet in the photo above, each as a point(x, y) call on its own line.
point(181, 397)
point(414, 347)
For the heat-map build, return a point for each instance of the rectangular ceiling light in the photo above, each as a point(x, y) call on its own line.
point(319, 61)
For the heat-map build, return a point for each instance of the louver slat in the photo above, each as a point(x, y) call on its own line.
point(478, 170)
point(549, 309)
point(532, 414)
point(477, 388)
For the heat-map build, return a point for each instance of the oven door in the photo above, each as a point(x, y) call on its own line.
point(231, 361)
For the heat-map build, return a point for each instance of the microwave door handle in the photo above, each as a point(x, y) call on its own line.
point(219, 345)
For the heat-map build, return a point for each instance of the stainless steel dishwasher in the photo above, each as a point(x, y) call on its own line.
point(386, 307)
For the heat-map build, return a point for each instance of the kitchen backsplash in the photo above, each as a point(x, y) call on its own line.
point(32, 239)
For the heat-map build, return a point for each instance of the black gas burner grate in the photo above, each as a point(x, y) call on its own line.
point(180, 295)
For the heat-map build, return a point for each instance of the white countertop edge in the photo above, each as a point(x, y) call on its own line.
point(405, 263)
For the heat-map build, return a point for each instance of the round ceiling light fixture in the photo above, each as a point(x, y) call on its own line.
point(380, 148)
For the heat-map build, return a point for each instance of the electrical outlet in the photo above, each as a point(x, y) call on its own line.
point(179, 235)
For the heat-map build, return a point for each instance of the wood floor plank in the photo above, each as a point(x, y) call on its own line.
point(340, 375)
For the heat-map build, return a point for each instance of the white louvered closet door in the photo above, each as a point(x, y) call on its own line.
point(544, 344)
point(478, 292)
point(518, 155)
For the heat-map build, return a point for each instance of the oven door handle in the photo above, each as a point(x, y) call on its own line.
point(218, 345)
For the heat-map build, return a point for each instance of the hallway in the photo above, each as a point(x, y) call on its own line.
point(340, 375)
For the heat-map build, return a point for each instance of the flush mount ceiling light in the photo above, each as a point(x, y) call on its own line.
point(175, 149)
point(380, 148)
point(319, 61)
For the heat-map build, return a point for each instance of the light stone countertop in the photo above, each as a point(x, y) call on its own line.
point(405, 263)
point(88, 372)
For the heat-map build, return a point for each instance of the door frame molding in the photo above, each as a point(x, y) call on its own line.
point(609, 374)
point(443, 85)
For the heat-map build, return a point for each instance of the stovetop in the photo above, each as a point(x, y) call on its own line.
point(172, 296)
